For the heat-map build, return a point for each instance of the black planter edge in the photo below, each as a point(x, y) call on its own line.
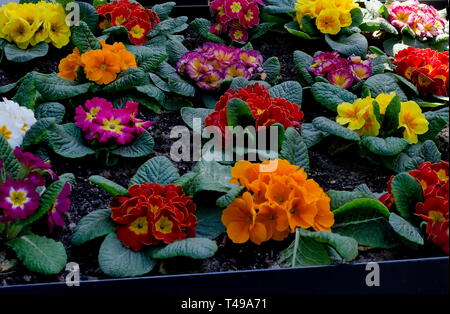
point(414, 276)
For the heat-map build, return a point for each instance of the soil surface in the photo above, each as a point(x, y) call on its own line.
point(343, 171)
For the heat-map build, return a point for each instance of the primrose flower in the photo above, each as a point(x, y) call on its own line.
point(153, 214)
point(384, 100)
point(412, 120)
point(18, 199)
point(59, 207)
point(424, 20)
point(359, 117)
point(211, 63)
point(30, 161)
point(15, 121)
point(32, 23)
point(235, 17)
point(103, 123)
point(138, 20)
point(275, 203)
point(425, 68)
point(341, 72)
point(328, 21)
point(100, 65)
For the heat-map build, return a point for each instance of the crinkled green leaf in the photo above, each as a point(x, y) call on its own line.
point(407, 192)
point(291, 91)
point(331, 96)
point(405, 230)
point(108, 186)
point(15, 54)
point(140, 147)
point(158, 170)
point(390, 146)
point(196, 248)
point(353, 45)
point(326, 125)
point(295, 150)
point(94, 225)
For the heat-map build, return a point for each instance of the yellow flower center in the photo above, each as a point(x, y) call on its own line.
point(139, 226)
point(5, 132)
point(120, 20)
point(236, 7)
point(137, 31)
point(164, 225)
point(238, 34)
point(442, 175)
point(24, 127)
point(112, 125)
point(249, 16)
point(18, 198)
point(436, 216)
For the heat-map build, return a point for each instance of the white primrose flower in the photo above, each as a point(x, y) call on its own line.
point(15, 121)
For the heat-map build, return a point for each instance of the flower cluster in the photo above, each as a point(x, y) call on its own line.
point(360, 116)
point(235, 17)
point(102, 122)
point(275, 203)
point(138, 20)
point(426, 68)
point(15, 121)
point(331, 15)
point(424, 20)
point(434, 209)
point(266, 109)
point(100, 65)
point(340, 71)
point(19, 199)
point(33, 23)
point(210, 64)
point(153, 214)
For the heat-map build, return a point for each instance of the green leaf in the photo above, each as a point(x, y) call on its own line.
point(94, 225)
point(309, 253)
point(238, 82)
point(152, 91)
point(279, 6)
point(126, 80)
point(390, 123)
point(202, 26)
point(390, 146)
point(365, 220)
point(40, 254)
point(170, 26)
point(357, 16)
point(83, 38)
point(331, 96)
point(158, 170)
point(175, 50)
point(345, 246)
point(53, 110)
point(340, 198)
point(438, 121)
point(164, 9)
point(159, 82)
point(239, 113)
point(176, 103)
point(295, 150)
point(312, 136)
point(197, 248)
point(189, 114)
point(37, 132)
point(379, 64)
point(147, 58)
point(108, 186)
point(302, 62)
point(117, 32)
point(10, 163)
point(115, 260)
point(384, 84)
point(53, 87)
point(406, 83)
point(231, 195)
point(407, 193)
point(181, 87)
point(272, 68)
point(88, 14)
point(291, 91)
point(326, 125)
point(207, 176)
point(405, 230)
point(66, 140)
point(353, 45)
point(294, 29)
point(261, 29)
point(140, 147)
point(15, 54)
point(26, 93)
point(209, 222)
point(165, 70)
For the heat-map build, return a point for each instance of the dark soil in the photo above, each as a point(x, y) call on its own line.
point(343, 171)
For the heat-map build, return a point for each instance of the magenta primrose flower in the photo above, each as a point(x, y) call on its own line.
point(18, 199)
point(102, 122)
point(211, 63)
point(60, 206)
point(340, 71)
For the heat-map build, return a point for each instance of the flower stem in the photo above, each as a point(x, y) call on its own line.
point(296, 245)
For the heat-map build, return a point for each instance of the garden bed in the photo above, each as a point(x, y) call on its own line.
point(330, 168)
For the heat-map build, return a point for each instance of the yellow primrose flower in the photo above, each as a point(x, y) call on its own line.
point(59, 32)
point(328, 21)
point(321, 5)
point(384, 100)
point(413, 120)
point(345, 18)
point(371, 125)
point(19, 31)
point(353, 114)
point(347, 5)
